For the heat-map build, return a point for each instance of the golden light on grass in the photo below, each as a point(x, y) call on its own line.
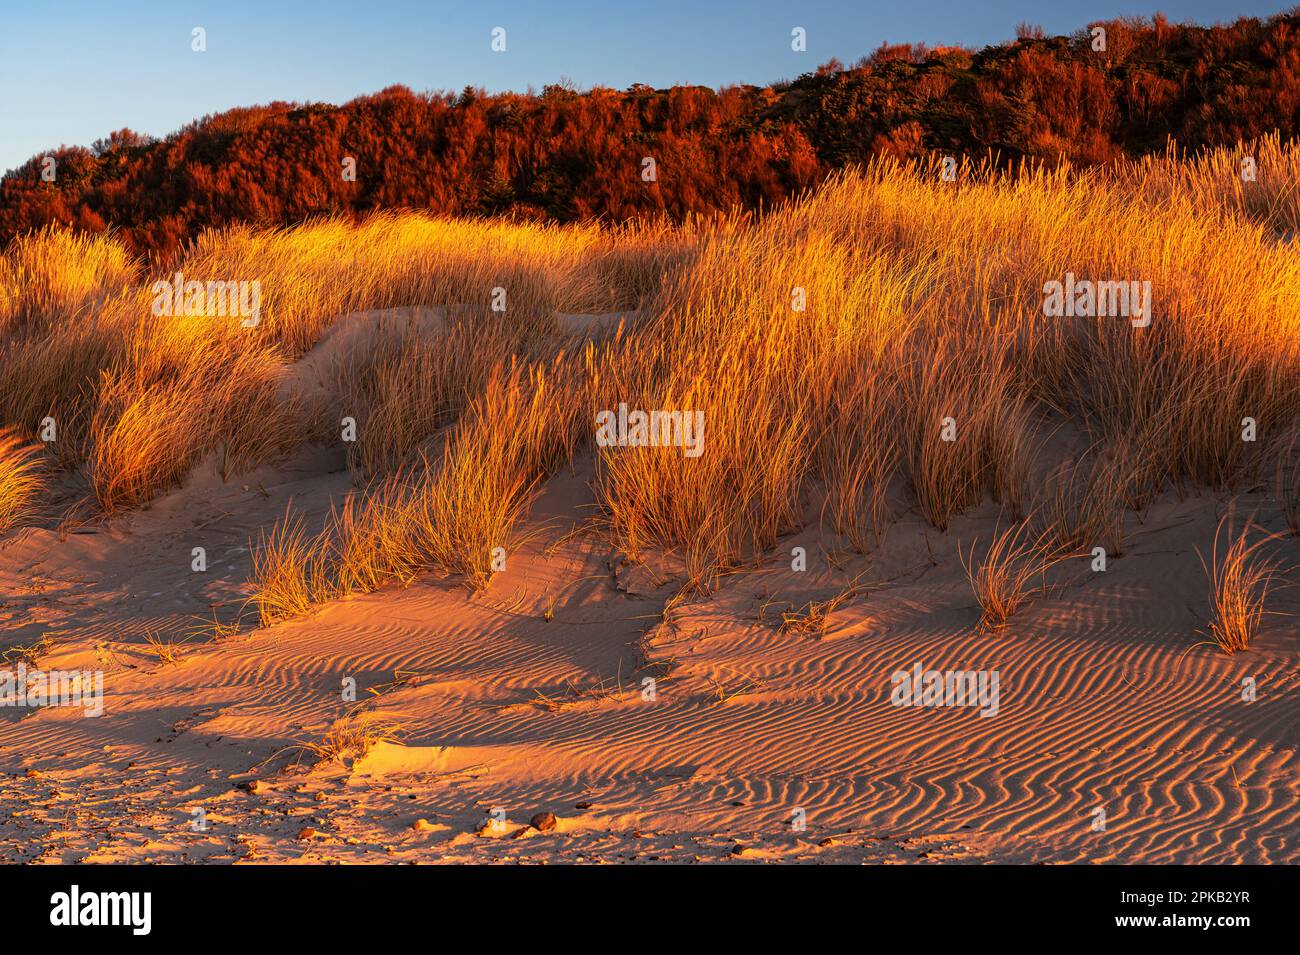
point(1241, 574)
point(282, 571)
point(168, 650)
point(22, 478)
point(1011, 572)
point(827, 343)
point(56, 276)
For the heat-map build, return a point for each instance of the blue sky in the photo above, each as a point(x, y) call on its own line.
point(72, 72)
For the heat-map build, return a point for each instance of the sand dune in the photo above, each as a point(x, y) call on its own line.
point(760, 743)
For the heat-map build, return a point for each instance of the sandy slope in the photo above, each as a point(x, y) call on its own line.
point(497, 707)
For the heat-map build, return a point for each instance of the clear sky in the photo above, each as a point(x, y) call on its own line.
point(71, 72)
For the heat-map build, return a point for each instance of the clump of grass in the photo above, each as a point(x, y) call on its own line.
point(812, 619)
point(1082, 503)
point(156, 418)
point(22, 478)
point(56, 275)
point(726, 689)
point(526, 424)
point(314, 273)
point(859, 460)
point(603, 690)
point(1212, 178)
point(168, 650)
point(370, 540)
point(1012, 571)
point(1240, 577)
point(284, 576)
point(450, 514)
point(403, 388)
point(724, 347)
point(348, 739)
point(143, 439)
point(53, 374)
point(217, 630)
point(139, 399)
point(963, 432)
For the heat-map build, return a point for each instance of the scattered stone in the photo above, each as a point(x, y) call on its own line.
point(583, 805)
point(828, 841)
point(738, 849)
point(543, 821)
point(252, 786)
point(306, 832)
point(422, 825)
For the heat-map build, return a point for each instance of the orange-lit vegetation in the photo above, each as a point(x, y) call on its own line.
point(20, 478)
point(1012, 570)
point(833, 344)
point(574, 156)
point(1241, 573)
